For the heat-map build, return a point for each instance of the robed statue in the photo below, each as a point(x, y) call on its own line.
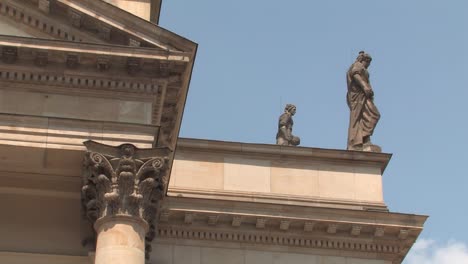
point(364, 115)
point(285, 124)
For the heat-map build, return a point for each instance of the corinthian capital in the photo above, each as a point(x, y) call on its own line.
point(123, 180)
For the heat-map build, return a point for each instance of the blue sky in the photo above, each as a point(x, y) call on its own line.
point(256, 56)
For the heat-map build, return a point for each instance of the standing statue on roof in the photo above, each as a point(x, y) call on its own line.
point(285, 124)
point(364, 115)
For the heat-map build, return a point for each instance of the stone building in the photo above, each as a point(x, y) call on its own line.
point(93, 171)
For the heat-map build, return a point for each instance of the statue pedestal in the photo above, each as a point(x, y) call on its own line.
point(371, 148)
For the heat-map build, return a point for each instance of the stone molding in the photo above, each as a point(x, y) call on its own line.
point(124, 181)
point(387, 250)
point(114, 85)
point(268, 150)
point(274, 223)
point(355, 233)
point(275, 198)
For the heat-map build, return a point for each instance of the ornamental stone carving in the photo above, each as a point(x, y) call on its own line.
point(124, 181)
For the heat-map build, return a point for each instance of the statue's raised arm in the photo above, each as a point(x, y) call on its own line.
point(364, 115)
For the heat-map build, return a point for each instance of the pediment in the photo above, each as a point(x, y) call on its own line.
point(90, 21)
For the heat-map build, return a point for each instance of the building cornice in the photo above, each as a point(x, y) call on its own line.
point(96, 49)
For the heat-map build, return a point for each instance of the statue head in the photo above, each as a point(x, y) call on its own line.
point(364, 58)
point(290, 108)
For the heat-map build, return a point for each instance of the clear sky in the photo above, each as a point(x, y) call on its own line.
point(256, 56)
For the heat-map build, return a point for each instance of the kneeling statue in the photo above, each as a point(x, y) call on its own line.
point(285, 124)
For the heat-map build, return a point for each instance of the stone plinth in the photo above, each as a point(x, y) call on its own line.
point(278, 174)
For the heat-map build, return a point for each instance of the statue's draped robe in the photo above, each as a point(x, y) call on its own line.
point(283, 138)
point(364, 115)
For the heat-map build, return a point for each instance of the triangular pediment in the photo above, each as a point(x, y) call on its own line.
point(90, 21)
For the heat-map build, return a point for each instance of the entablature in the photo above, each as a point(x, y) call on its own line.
point(157, 78)
point(386, 236)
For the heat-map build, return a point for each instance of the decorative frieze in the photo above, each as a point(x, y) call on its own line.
point(281, 239)
point(339, 229)
point(88, 82)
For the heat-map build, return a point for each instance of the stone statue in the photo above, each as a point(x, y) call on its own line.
point(364, 115)
point(285, 124)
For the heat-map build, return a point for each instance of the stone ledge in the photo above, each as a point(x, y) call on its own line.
point(276, 199)
point(320, 154)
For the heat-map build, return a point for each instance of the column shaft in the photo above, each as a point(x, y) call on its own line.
point(120, 240)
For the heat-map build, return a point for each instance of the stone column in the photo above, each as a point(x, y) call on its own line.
point(122, 189)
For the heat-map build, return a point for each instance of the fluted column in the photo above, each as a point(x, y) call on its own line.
point(122, 188)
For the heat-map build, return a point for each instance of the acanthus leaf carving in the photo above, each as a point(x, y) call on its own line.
point(123, 180)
